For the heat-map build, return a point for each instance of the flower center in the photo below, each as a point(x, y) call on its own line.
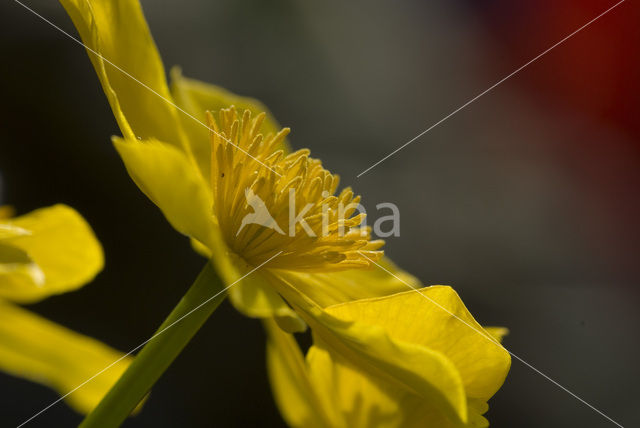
point(267, 202)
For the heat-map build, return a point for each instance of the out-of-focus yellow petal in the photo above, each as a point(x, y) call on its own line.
point(117, 31)
point(9, 230)
point(60, 254)
point(435, 317)
point(331, 288)
point(358, 402)
point(17, 268)
point(498, 333)
point(34, 348)
point(293, 392)
point(369, 347)
point(196, 98)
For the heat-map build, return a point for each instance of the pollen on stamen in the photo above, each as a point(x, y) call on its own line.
point(268, 202)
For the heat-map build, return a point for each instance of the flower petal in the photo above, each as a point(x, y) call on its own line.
point(254, 297)
point(170, 180)
point(164, 174)
point(196, 98)
point(62, 248)
point(11, 231)
point(116, 34)
point(324, 391)
point(331, 288)
point(292, 389)
point(42, 351)
point(364, 401)
point(436, 318)
point(498, 333)
point(16, 269)
point(368, 347)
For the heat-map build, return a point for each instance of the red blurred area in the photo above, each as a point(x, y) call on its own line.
point(594, 75)
point(597, 71)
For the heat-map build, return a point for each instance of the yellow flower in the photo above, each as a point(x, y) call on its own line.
point(198, 178)
point(324, 390)
point(46, 252)
point(202, 170)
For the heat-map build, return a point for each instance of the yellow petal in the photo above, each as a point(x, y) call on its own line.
point(164, 174)
point(255, 298)
point(117, 31)
point(16, 267)
point(60, 245)
point(498, 333)
point(34, 348)
point(324, 391)
point(196, 98)
point(9, 230)
point(477, 408)
point(436, 318)
point(363, 401)
point(367, 346)
point(293, 392)
point(331, 288)
point(358, 402)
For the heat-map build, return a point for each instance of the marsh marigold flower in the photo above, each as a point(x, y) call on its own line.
point(47, 252)
point(197, 173)
point(207, 165)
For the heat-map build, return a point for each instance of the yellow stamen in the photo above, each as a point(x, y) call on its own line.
point(255, 187)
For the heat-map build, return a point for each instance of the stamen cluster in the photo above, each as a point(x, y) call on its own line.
point(268, 202)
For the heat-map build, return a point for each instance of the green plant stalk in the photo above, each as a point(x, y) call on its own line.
point(160, 351)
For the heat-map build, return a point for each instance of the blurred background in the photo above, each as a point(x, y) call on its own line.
point(526, 201)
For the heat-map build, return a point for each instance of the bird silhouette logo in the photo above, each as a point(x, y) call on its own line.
point(260, 214)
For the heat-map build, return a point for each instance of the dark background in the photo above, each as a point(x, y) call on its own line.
point(526, 201)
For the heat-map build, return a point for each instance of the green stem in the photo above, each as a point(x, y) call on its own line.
point(160, 351)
